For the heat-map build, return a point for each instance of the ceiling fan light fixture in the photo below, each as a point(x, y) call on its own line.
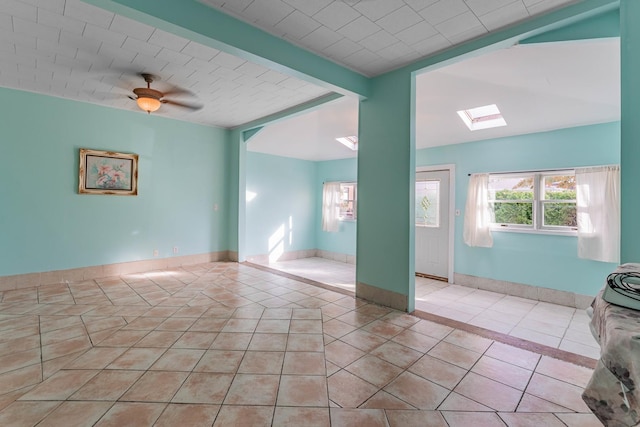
point(148, 104)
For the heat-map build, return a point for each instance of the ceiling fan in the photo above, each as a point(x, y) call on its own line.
point(150, 100)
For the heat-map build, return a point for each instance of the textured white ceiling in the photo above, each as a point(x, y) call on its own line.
point(537, 87)
point(375, 36)
point(74, 50)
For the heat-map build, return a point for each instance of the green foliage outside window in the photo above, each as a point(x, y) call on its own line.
point(518, 208)
point(514, 212)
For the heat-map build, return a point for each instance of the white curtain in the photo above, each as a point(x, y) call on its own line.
point(598, 210)
point(331, 206)
point(478, 213)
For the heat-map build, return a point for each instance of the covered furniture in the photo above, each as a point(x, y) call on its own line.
point(612, 393)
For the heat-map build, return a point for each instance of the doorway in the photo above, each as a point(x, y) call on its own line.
point(434, 223)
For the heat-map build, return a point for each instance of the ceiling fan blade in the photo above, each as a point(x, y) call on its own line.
point(182, 104)
point(174, 90)
point(131, 97)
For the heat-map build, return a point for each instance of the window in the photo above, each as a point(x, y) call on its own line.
point(348, 198)
point(428, 203)
point(537, 201)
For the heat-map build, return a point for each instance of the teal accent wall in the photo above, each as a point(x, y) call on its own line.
point(283, 213)
point(533, 259)
point(343, 241)
point(386, 173)
point(630, 146)
point(46, 225)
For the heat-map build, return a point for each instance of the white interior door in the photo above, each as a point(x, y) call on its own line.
point(432, 223)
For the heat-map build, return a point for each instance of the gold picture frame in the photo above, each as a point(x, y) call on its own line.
point(108, 172)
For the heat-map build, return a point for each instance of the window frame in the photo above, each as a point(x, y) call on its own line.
point(354, 200)
point(537, 225)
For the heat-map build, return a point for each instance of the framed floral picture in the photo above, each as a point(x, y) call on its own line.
point(106, 172)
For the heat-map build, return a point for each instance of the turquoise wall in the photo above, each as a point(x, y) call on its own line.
point(386, 166)
point(343, 241)
point(630, 133)
point(534, 259)
point(46, 225)
point(283, 214)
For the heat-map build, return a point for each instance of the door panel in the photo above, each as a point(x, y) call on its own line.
point(432, 223)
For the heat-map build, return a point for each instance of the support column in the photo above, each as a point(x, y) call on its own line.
point(385, 271)
point(237, 195)
point(630, 130)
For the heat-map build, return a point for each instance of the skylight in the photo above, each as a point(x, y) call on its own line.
point(350, 142)
point(484, 117)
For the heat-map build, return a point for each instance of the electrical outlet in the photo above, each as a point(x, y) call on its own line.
point(215, 207)
point(156, 252)
point(175, 249)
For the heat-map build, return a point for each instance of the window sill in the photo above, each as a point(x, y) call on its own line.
point(348, 219)
point(570, 233)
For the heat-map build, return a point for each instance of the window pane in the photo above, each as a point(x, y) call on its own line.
point(428, 203)
point(560, 214)
point(348, 201)
point(520, 213)
point(561, 187)
point(505, 187)
point(517, 193)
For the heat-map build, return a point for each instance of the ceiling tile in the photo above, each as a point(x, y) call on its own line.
point(336, 15)
point(395, 51)
point(119, 55)
point(225, 60)
point(168, 40)
point(21, 26)
point(421, 31)
point(173, 56)
point(148, 64)
point(432, 45)
point(359, 29)
point(504, 16)
point(482, 7)
point(234, 5)
point(455, 28)
point(342, 48)
point(85, 12)
point(56, 6)
point(200, 65)
point(5, 22)
point(205, 53)
point(297, 25)
point(418, 5)
point(443, 10)
point(399, 20)
point(308, 7)
point(131, 28)
point(252, 70)
point(376, 9)
point(545, 5)
point(362, 57)
point(57, 20)
point(272, 76)
point(143, 47)
point(267, 13)
point(100, 34)
point(378, 41)
point(82, 43)
point(19, 9)
point(320, 38)
point(48, 45)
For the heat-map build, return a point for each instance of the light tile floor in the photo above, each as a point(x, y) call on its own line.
point(549, 324)
point(225, 344)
